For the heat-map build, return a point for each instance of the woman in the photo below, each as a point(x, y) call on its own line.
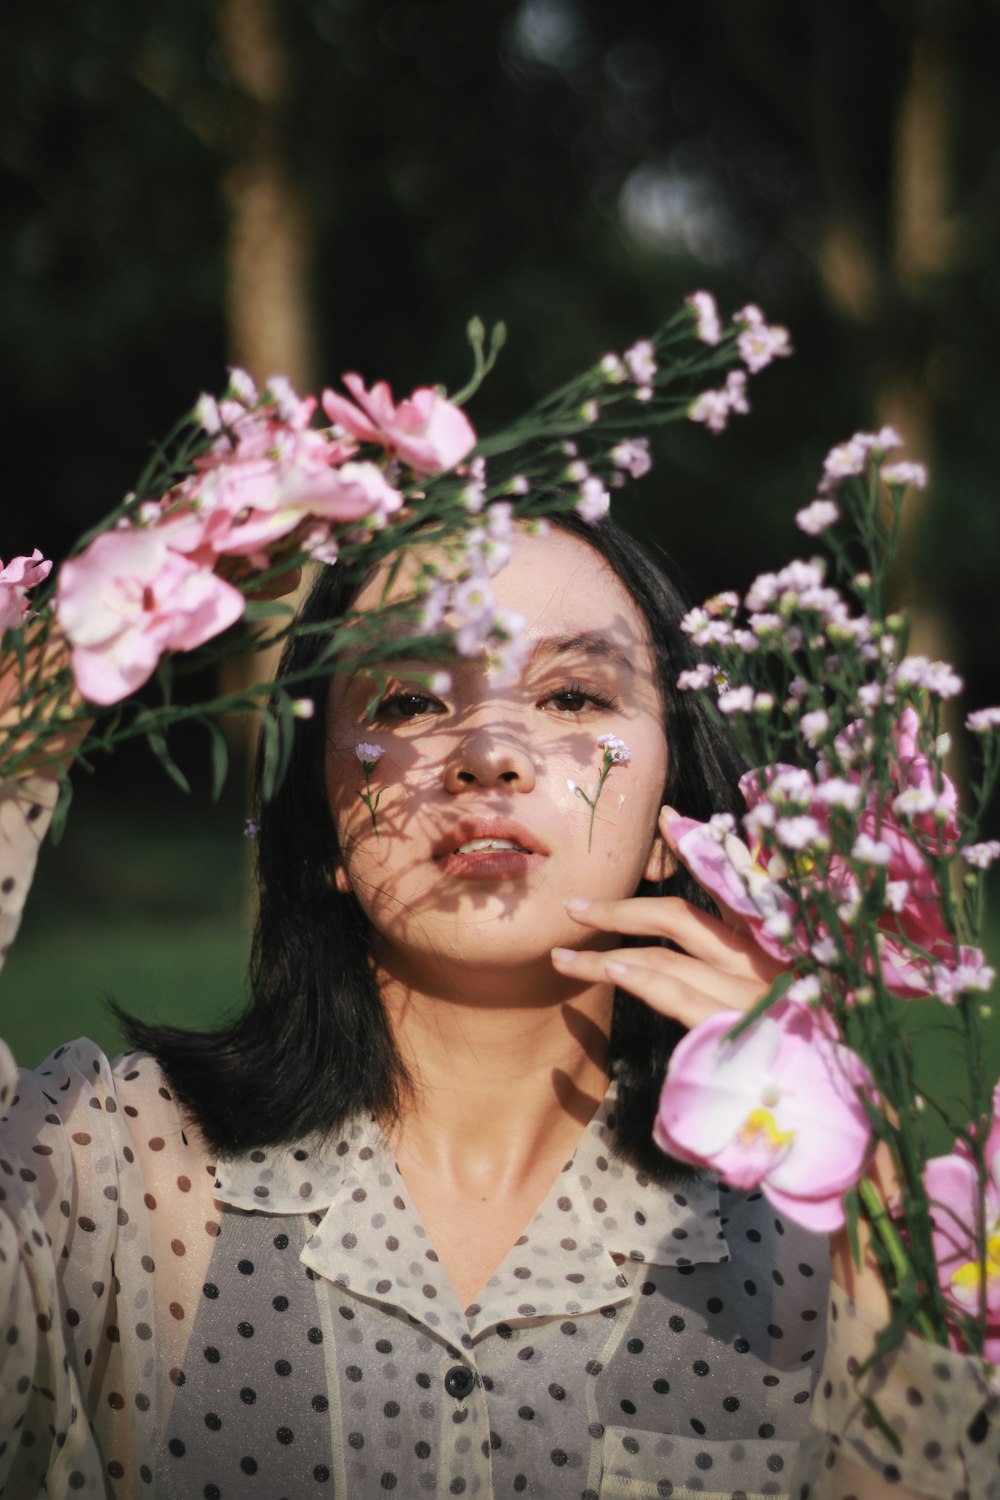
point(402, 1226)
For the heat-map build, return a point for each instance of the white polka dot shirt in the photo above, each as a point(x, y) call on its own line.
point(280, 1326)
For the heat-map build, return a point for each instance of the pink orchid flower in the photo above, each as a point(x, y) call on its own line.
point(777, 1107)
point(126, 600)
point(425, 431)
point(724, 865)
point(953, 1188)
point(20, 575)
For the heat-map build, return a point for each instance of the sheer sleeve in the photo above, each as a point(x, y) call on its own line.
point(58, 1233)
point(25, 814)
point(939, 1404)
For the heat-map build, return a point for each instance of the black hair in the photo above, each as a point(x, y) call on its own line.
point(313, 1048)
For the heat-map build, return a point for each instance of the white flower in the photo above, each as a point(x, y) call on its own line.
point(972, 972)
point(694, 679)
point(805, 990)
point(982, 720)
point(242, 386)
point(206, 410)
point(712, 408)
point(759, 345)
point(641, 362)
point(814, 726)
point(612, 369)
point(791, 785)
point(590, 411)
point(981, 856)
point(871, 851)
point(303, 708)
point(286, 398)
point(824, 951)
point(906, 473)
point(896, 893)
point(577, 471)
point(632, 455)
point(367, 753)
point(881, 441)
point(845, 460)
point(815, 518)
point(737, 701)
point(594, 501)
point(836, 792)
point(914, 801)
point(938, 677)
point(707, 324)
point(614, 747)
point(802, 832)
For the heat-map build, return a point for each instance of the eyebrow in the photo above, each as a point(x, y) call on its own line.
point(587, 643)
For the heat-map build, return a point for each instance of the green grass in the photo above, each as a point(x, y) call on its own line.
point(146, 903)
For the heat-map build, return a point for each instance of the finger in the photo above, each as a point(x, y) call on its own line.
point(697, 932)
point(668, 994)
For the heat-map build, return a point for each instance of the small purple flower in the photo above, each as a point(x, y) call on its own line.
point(615, 752)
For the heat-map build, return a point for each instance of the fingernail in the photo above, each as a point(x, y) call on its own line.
point(668, 812)
point(577, 903)
point(615, 969)
point(565, 956)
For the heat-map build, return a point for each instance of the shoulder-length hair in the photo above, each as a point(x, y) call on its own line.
point(313, 1048)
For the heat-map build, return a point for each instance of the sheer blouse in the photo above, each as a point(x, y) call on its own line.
point(279, 1325)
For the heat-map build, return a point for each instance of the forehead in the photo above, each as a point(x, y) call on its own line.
point(560, 586)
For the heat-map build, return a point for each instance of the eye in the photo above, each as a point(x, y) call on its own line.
point(396, 707)
point(575, 699)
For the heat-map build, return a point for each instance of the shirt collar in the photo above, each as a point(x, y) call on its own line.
point(600, 1215)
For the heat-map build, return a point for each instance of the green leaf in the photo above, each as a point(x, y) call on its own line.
point(220, 758)
point(266, 609)
point(852, 1211)
point(61, 809)
point(763, 1005)
point(157, 741)
point(272, 753)
point(892, 1438)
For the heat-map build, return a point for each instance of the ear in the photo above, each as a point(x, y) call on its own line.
point(661, 862)
point(341, 881)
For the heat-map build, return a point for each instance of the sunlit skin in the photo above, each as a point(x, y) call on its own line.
point(506, 1043)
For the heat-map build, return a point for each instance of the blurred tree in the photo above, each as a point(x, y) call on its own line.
point(357, 176)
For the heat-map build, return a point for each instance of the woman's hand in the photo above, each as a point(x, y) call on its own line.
point(720, 966)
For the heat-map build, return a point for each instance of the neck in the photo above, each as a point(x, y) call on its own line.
point(505, 1076)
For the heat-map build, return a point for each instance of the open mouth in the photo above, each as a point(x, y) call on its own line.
point(481, 846)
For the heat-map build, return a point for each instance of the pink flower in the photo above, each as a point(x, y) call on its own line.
point(707, 325)
point(722, 863)
point(759, 344)
point(815, 518)
point(778, 1108)
point(425, 431)
point(126, 600)
point(20, 575)
point(632, 455)
point(953, 1187)
point(714, 408)
point(906, 473)
point(594, 501)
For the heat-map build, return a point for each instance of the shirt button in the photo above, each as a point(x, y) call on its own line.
point(459, 1382)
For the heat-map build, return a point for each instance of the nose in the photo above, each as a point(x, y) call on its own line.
point(487, 757)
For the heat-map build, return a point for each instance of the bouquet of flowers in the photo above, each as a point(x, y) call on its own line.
point(853, 864)
point(253, 485)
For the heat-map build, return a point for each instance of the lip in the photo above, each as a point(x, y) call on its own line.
point(489, 864)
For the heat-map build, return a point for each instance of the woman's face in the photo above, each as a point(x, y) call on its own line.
point(479, 838)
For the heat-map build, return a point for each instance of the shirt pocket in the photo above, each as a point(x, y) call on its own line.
point(639, 1464)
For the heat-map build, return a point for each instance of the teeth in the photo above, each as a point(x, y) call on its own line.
point(476, 846)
